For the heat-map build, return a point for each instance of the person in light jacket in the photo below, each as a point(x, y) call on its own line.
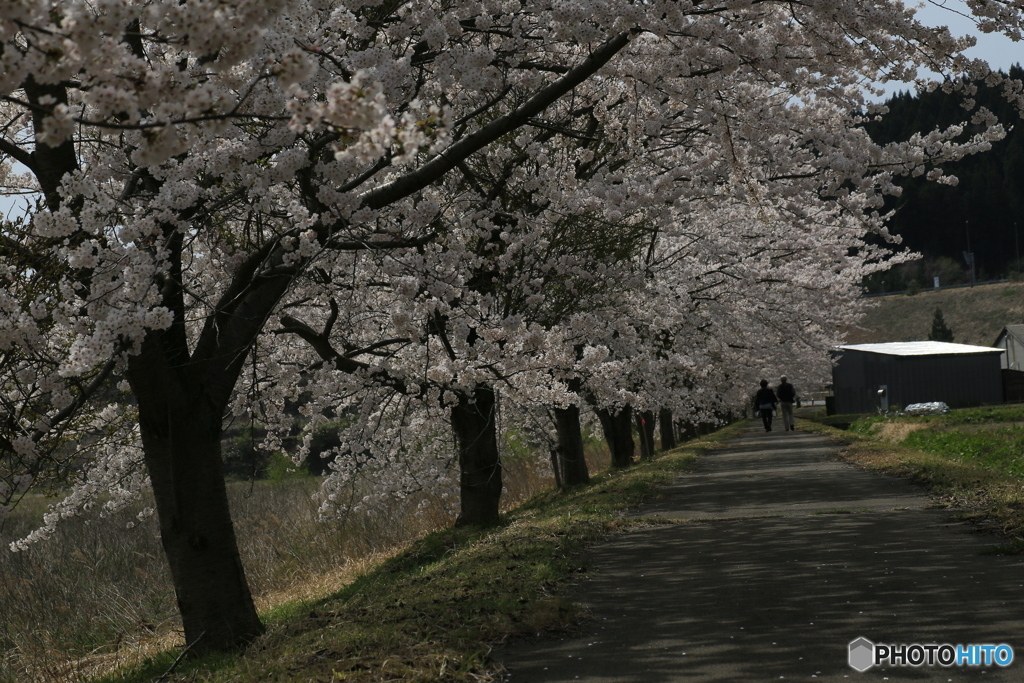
point(764, 402)
point(787, 397)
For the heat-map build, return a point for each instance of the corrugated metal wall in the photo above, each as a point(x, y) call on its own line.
point(957, 380)
point(1013, 385)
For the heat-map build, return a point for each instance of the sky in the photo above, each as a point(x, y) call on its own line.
point(998, 50)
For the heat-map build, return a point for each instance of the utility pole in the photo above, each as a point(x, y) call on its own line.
point(969, 255)
point(1016, 244)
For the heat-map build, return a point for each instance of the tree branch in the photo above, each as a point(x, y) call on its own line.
point(447, 160)
point(18, 154)
point(323, 348)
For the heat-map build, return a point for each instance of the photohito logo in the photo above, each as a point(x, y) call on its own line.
point(864, 654)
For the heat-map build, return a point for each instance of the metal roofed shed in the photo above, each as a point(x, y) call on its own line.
point(1012, 339)
point(868, 377)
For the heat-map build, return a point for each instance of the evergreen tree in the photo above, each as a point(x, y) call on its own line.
point(940, 332)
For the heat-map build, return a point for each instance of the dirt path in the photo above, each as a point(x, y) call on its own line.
point(780, 558)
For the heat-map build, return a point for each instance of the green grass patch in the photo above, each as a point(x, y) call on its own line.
point(991, 436)
point(433, 611)
point(978, 416)
point(1000, 449)
point(280, 468)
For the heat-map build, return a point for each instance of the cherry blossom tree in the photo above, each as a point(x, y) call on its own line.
point(217, 181)
point(204, 179)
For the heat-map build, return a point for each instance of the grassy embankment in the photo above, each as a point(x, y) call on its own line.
point(970, 459)
point(97, 594)
point(434, 611)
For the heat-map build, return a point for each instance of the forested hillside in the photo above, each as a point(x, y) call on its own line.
point(986, 207)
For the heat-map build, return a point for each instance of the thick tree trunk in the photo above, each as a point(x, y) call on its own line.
point(618, 431)
point(645, 430)
point(570, 446)
point(668, 432)
point(181, 434)
point(479, 464)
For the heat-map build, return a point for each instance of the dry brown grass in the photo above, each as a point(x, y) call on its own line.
point(305, 590)
point(434, 611)
point(976, 315)
point(895, 432)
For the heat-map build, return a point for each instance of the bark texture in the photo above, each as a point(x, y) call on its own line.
point(181, 435)
point(479, 464)
point(668, 432)
point(571, 460)
point(618, 431)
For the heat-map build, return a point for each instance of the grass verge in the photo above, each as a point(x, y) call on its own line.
point(988, 495)
point(434, 611)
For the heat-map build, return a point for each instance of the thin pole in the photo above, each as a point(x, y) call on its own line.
point(970, 254)
point(1016, 244)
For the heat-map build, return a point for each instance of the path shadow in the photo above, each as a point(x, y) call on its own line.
point(758, 598)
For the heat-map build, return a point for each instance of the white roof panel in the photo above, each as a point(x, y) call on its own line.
point(920, 348)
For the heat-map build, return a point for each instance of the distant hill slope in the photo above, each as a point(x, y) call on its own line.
point(976, 315)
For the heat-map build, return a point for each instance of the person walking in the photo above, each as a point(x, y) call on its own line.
point(787, 397)
point(764, 402)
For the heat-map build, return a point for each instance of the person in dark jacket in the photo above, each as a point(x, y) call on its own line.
point(787, 397)
point(764, 402)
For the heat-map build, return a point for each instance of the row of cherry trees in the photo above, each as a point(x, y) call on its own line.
point(422, 216)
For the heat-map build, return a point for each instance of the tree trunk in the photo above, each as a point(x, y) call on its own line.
point(570, 446)
point(479, 465)
point(668, 432)
point(181, 435)
point(645, 430)
point(689, 431)
point(618, 431)
point(556, 468)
